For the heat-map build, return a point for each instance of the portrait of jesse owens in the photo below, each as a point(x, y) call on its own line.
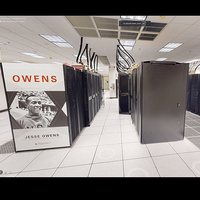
point(34, 118)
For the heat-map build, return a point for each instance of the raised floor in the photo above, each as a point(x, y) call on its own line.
point(108, 148)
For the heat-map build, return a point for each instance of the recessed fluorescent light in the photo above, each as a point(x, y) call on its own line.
point(128, 44)
point(165, 50)
point(133, 17)
point(33, 55)
point(53, 38)
point(57, 40)
point(63, 44)
point(18, 61)
point(59, 63)
point(170, 46)
point(83, 57)
point(173, 45)
point(128, 48)
point(161, 59)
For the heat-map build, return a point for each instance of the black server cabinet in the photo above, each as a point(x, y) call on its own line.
point(92, 94)
point(124, 96)
point(195, 94)
point(161, 101)
point(75, 99)
point(133, 96)
point(188, 107)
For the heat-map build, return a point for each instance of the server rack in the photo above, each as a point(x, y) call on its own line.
point(194, 96)
point(71, 95)
point(161, 101)
point(124, 95)
point(92, 94)
point(133, 96)
point(189, 93)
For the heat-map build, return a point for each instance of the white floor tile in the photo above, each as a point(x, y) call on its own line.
point(87, 140)
point(134, 150)
point(193, 161)
point(18, 161)
point(50, 158)
point(108, 153)
point(79, 156)
point(172, 166)
point(128, 137)
point(127, 128)
point(158, 149)
point(108, 169)
point(38, 173)
point(92, 130)
point(184, 146)
point(75, 171)
point(98, 123)
point(143, 167)
point(111, 129)
point(114, 138)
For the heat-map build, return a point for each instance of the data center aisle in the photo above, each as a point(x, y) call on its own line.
point(109, 147)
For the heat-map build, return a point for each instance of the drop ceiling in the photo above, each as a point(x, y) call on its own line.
point(20, 34)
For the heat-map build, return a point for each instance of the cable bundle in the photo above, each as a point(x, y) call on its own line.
point(92, 60)
point(124, 61)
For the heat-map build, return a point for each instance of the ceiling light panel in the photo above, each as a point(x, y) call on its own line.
point(127, 42)
point(161, 59)
point(63, 44)
point(33, 55)
point(173, 45)
point(165, 50)
point(142, 18)
point(53, 38)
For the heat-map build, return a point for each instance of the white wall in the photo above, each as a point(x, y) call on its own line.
point(112, 77)
point(3, 104)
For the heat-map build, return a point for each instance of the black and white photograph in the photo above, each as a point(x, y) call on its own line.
point(33, 109)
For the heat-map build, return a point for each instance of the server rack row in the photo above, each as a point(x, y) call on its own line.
point(124, 93)
point(84, 95)
point(193, 93)
point(158, 100)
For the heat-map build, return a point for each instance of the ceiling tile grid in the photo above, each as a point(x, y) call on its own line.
point(101, 33)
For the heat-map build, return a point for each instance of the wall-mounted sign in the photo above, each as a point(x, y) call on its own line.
point(37, 103)
point(134, 23)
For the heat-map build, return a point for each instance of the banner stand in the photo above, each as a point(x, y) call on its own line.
point(37, 105)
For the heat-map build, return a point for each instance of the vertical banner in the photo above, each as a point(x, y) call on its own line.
point(37, 103)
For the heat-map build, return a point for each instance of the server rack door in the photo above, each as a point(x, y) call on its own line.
point(72, 101)
point(138, 101)
point(194, 93)
point(123, 93)
point(189, 93)
point(80, 98)
point(164, 86)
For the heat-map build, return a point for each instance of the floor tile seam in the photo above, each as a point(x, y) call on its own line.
point(187, 165)
point(192, 136)
point(35, 170)
point(30, 162)
point(98, 143)
point(153, 161)
point(191, 126)
point(123, 167)
point(195, 130)
point(182, 159)
point(62, 160)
